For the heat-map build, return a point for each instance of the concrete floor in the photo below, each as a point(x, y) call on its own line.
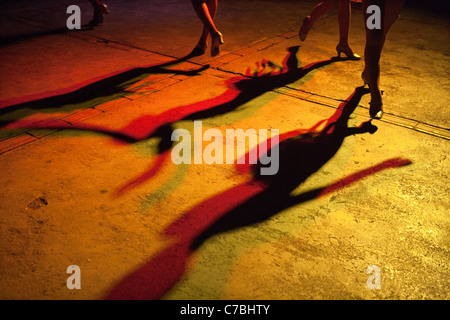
point(86, 182)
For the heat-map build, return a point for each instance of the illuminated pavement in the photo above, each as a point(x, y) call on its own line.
point(86, 180)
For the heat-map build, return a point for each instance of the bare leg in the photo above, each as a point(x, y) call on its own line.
point(372, 52)
point(99, 10)
point(318, 11)
point(375, 39)
point(96, 3)
point(212, 8)
point(202, 10)
point(344, 18)
point(206, 11)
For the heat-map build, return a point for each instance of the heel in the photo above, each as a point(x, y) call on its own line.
point(216, 41)
point(376, 110)
point(98, 15)
point(347, 51)
point(104, 9)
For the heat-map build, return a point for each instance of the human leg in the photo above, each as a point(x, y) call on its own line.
point(100, 9)
point(200, 48)
point(318, 11)
point(344, 18)
point(375, 39)
point(206, 11)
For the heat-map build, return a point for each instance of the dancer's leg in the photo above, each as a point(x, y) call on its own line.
point(372, 52)
point(202, 10)
point(375, 39)
point(201, 7)
point(212, 8)
point(95, 3)
point(344, 18)
point(99, 10)
point(318, 11)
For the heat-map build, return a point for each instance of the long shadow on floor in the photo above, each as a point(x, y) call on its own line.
point(241, 89)
point(14, 39)
point(84, 95)
point(301, 153)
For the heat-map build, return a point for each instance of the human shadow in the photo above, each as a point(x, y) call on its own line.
point(300, 156)
point(301, 153)
point(240, 90)
point(267, 77)
point(104, 88)
point(17, 38)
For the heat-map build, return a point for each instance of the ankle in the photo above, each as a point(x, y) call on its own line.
point(376, 98)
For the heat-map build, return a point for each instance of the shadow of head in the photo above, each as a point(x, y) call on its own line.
point(301, 155)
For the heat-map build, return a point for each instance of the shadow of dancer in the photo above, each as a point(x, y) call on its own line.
point(103, 88)
point(251, 202)
point(241, 89)
point(300, 156)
